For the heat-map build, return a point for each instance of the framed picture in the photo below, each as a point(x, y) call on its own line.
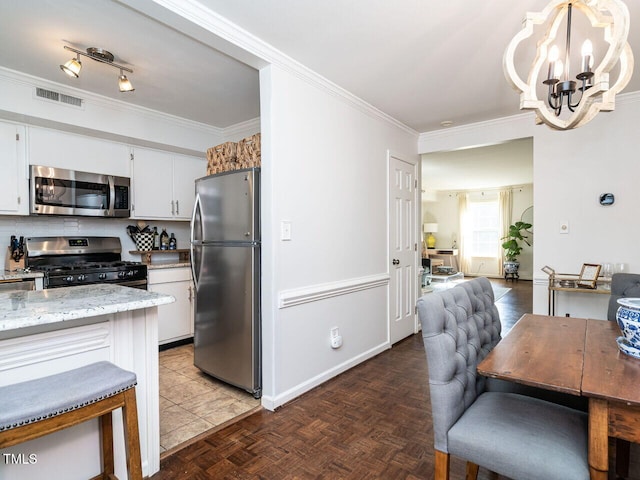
point(589, 275)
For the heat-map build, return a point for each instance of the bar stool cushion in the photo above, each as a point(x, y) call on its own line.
point(46, 397)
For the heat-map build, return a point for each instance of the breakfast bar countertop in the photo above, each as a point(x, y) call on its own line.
point(46, 308)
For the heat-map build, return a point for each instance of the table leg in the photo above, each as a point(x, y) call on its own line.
point(598, 439)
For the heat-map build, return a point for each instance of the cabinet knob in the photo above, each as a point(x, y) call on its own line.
point(396, 261)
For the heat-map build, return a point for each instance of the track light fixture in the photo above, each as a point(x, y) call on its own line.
point(73, 66)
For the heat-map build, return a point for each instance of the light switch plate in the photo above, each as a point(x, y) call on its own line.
point(285, 230)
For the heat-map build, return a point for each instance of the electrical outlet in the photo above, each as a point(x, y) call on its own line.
point(336, 339)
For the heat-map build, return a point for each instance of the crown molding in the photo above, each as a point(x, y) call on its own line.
point(241, 128)
point(507, 122)
point(31, 81)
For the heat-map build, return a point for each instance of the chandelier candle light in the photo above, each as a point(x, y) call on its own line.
point(611, 19)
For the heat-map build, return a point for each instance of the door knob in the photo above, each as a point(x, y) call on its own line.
point(396, 261)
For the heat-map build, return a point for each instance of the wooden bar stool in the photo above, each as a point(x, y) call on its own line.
point(45, 405)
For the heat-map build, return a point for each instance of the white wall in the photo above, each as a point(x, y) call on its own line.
point(571, 169)
point(325, 171)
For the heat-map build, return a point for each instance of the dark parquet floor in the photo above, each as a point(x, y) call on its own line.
point(371, 422)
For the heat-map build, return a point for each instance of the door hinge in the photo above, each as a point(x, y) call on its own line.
point(415, 247)
point(415, 183)
point(17, 137)
point(415, 309)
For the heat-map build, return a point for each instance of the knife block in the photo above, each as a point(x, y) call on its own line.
point(10, 265)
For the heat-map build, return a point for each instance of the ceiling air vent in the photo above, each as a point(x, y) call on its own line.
point(58, 97)
point(48, 94)
point(75, 101)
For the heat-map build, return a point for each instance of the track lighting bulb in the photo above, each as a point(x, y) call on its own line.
point(72, 67)
point(124, 84)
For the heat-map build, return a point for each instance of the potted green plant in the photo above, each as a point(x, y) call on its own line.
point(513, 247)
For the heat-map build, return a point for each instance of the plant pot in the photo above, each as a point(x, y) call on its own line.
point(511, 269)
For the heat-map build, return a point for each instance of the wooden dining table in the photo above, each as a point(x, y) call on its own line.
point(580, 357)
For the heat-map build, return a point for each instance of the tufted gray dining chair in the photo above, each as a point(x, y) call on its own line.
point(622, 285)
point(514, 435)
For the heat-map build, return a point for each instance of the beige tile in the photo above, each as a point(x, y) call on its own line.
point(184, 433)
point(208, 403)
point(184, 391)
point(193, 402)
point(175, 417)
point(164, 404)
point(170, 380)
point(226, 412)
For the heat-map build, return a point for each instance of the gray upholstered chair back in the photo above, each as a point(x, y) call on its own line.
point(460, 326)
point(622, 285)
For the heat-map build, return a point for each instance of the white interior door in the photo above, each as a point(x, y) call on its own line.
point(403, 248)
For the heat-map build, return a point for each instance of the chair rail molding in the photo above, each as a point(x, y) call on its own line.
point(314, 293)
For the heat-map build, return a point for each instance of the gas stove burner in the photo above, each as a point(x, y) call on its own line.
point(69, 261)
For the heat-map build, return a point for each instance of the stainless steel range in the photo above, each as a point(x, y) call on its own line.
point(69, 261)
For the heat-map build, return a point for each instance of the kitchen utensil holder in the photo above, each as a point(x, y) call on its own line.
point(11, 265)
point(144, 241)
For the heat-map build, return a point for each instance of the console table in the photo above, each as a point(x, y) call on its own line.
point(450, 255)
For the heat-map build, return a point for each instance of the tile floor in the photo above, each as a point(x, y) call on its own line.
point(191, 402)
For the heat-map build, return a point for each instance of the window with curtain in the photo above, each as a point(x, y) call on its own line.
point(483, 227)
point(484, 217)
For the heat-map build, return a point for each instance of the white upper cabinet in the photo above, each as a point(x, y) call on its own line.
point(14, 181)
point(163, 184)
point(53, 148)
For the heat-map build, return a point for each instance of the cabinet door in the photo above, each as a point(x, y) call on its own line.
point(152, 184)
point(54, 148)
point(185, 171)
point(14, 179)
point(175, 320)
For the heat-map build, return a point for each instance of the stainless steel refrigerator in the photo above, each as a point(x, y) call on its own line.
point(225, 260)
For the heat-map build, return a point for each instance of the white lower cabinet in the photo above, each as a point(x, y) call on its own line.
point(175, 320)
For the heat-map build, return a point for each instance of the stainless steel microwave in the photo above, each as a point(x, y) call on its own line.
point(57, 191)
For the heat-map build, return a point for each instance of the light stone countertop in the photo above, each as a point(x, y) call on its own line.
point(159, 265)
point(20, 275)
point(35, 308)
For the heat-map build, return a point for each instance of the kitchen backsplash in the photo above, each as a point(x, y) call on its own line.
point(46, 226)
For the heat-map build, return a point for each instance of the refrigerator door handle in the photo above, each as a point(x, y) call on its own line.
point(197, 213)
point(197, 209)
